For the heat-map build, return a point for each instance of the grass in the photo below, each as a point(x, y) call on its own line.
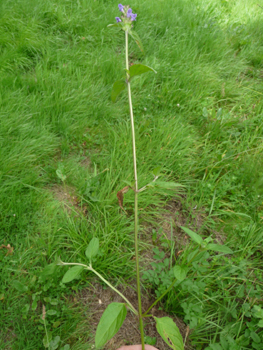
point(200, 118)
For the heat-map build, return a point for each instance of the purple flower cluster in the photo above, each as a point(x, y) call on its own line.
point(132, 15)
point(127, 13)
point(121, 8)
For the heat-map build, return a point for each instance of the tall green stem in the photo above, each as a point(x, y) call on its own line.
point(135, 197)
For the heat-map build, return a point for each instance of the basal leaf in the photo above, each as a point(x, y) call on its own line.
point(19, 286)
point(180, 272)
point(255, 337)
point(65, 347)
point(219, 248)
point(117, 88)
point(137, 69)
point(137, 39)
point(54, 343)
point(93, 248)
point(72, 273)
point(110, 322)
point(34, 305)
point(195, 237)
point(46, 340)
point(49, 270)
point(52, 312)
point(169, 332)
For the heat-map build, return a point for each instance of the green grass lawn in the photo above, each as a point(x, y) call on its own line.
point(199, 118)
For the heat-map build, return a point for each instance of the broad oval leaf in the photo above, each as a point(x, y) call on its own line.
point(93, 248)
point(65, 347)
point(52, 312)
point(19, 286)
point(117, 88)
point(110, 322)
point(34, 305)
point(49, 270)
point(219, 248)
point(195, 237)
point(169, 332)
point(180, 272)
point(47, 338)
point(137, 39)
point(72, 273)
point(54, 343)
point(255, 337)
point(137, 69)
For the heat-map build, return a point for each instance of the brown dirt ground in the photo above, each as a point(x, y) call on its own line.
point(70, 202)
point(97, 299)
point(173, 216)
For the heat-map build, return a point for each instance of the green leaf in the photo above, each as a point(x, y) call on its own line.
point(215, 346)
point(150, 340)
point(118, 25)
point(47, 339)
point(195, 237)
point(137, 39)
point(156, 171)
point(56, 324)
point(65, 347)
point(72, 273)
point(51, 312)
point(260, 324)
point(25, 309)
point(224, 342)
point(255, 337)
point(110, 322)
point(34, 305)
point(219, 248)
point(53, 345)
point(138, 69)
point(168, 185)
point(129, 183)
point(49, 270)
point(180, 272)
point(169, 332)
point(117, 88)
point(93, 248)
point(60, 174)
point(258, 311)
point(19, 286)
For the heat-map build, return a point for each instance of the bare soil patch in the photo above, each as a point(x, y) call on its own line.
point(172, 217)
point(68, 199)
point(97, 299)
